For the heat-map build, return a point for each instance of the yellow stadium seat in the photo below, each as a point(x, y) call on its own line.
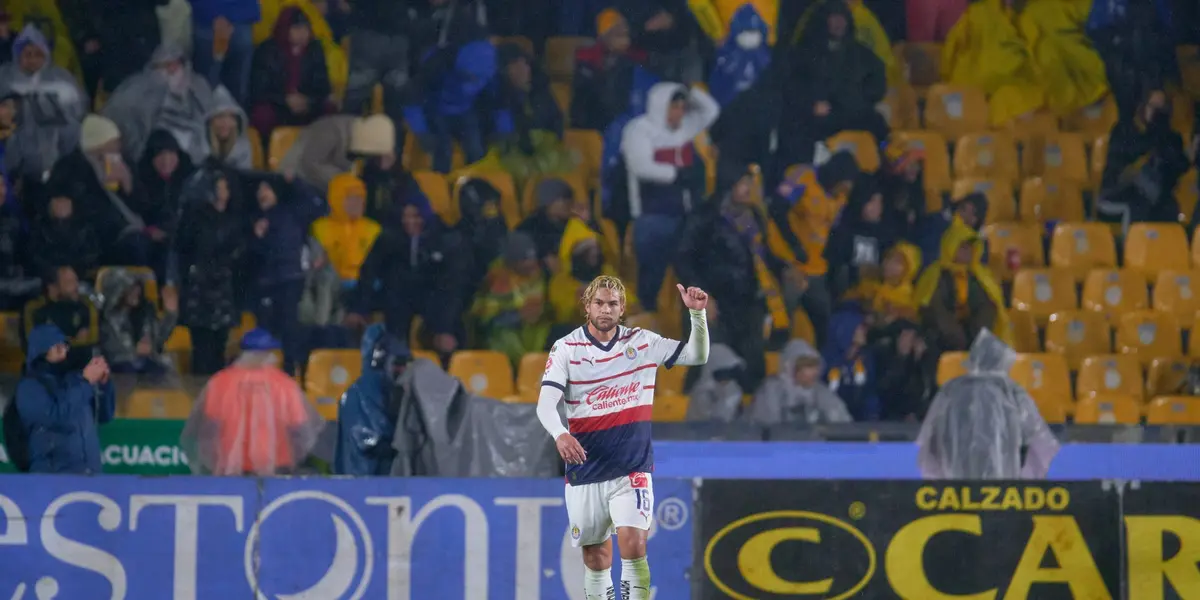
point(1178, 293)
point(1183, 115)
point(530, 371)
point(1028, 128)
point(1096, 119)
point(282, 139)
point(562, 97)
point(628, 257)
point(1045, 200)
point(233, 344)
point(1078, 334)
point(1023, 238)
point(670, 408)
point(610, 242)
point(861, 144)
point(1098, 160)
point(437, 190)
point(429, 355)
point(951, 365)
point(1187, 194)
point(956, 110)
point(670, 381)
point(1023, 328)
point(772, 359)
point(1057, 156)
point(802, 327)
point(1108, 409)
point(257, 160)
point(12, 357)
point(1113, 292)
point(1001, 206)
point(529, 197)
point(503, 182)
point(377, 99)
point(156, 404)
point(519, 41)
point(1109, 374)
point(1173, 410)
point(922, 63)
point(1148, 335)
point(1166, 376)
point(900, 108)
point(143, 274)
point(1081, 247)
point(1188, 57)
point(1155, 247)
point(1043, 292)
point(559, 56)
point(936, 162)
point(991, 155)
point(415, 158)
point(329, 373)
point(589, 149)
point(179, 346)
point(483, 372)
point(1046, 378)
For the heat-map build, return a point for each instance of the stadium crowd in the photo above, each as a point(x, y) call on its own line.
point(841, 175)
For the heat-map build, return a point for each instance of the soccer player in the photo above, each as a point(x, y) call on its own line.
point(605, 374)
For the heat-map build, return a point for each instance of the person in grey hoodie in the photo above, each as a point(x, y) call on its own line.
point(226, 141)
point(716, 395)
point(132, 333)
point(795, 394)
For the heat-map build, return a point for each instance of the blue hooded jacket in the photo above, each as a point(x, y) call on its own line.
point(737, 68)
point(60, 411)
point(364, 441)
point(852, 379)
point(451, 90)
point(237, 11)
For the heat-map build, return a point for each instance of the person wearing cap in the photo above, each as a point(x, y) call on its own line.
point(604, 74)
point(290, 84)
point(511, 305)
point(547, 224)
point(366, 416)
point(330, 145)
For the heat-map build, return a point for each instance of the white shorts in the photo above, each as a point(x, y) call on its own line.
point(596, 509)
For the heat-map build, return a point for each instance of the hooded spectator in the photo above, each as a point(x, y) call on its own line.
point(1065, 61)
point(346, 235)
point(63, 307)
point(223, 42)
point(903, 184)
point(835, 83)
point(796, 394)
point(381, 54)
point(661, 29)
point(893, 299)
point(48, 19)
point(856, 244)
point(290, 83)
point(366, 415)
point(580, 260)
point(60, 407)
point(666, 176)
point(907, 372)
point(167, 95)
point(445, 107)
point(118, 36)
point(971, 210)
point(850, 369)
point(1145, 161)
point(51, 107)
point(60, 237)
point(511, 306)
point(227, 141)
point(210, 249)
point(985, 49)
point(329, 146)
point(546, 226)
point(164, 171)
point(481, 227)
point(868, 31)
point(527, 122)
point(716, 395)
point(96, 177)
point(132, 333)
point(742, 57)
point(604, 74)
point(414, 269)
point(958, 296)
point(1136, 42)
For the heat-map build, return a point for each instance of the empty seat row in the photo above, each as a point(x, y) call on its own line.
point(1109, 292)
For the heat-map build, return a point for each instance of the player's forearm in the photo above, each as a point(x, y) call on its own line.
point(547, 411)
point(695, 351)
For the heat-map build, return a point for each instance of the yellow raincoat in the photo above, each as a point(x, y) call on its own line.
point(714, 16)
point(336, 61)
point(1070, 71)
point(986, 50)
point(867, 30)
point(565, 290)
point(346, 241)
point(22, 11)
point(895, 299)
point(956, 235)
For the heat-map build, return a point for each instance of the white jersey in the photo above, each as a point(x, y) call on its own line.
point(609, 394)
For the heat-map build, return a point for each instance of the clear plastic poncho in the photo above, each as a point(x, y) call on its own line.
point(250, 419)
point(980, 422)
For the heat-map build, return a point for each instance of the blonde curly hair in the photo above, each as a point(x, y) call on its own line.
point(607, 282)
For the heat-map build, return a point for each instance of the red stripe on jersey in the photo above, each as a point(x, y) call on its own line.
point(617, 355)
point(578, 343)
point(647, 387)
point(629, 372)
point(621, 417)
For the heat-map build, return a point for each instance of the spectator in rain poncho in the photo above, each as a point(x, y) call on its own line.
point(132, 333)
point(742, 57)
point(716, 395)
point(796, 394)
point(251, 418)
point(226, 141)
point(980, 424)
point(366, 417)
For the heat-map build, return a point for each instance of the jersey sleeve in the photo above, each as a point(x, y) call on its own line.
point(555, 375)
point(662, 350)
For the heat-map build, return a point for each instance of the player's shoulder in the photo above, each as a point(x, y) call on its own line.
point(567, 343)
point(637, 334)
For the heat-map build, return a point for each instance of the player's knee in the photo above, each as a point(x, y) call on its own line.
point(597, 558)
point(632, 542)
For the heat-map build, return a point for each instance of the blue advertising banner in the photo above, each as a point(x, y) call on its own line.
point(193, 538)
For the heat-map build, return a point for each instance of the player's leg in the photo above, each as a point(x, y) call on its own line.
point(591, 530)
point(632, 509)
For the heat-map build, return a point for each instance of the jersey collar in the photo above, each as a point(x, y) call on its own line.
point(605, 347)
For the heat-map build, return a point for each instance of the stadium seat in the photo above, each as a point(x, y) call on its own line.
point(1046, 378)
point(143, 274)
point(1173, 410)
point(1001, 205)
point(519, 41)
point(1096, 119)
point(529, 196)
point(257, 159)
point(802, 327)
point(937, 161)
point(179, 346)
point(1081, 247)
point(12, 357)
point(1188, 57)
point(1166, 376)
point(951, 365)
point(1026, 129)
point(483, 372)
point(559, 56)
point(670, 408)
point(329, 373)
point(233, 344)
point(1187, 194)
point(1113, 292)
point(1183, 115)
point(1023, 238)
point(1058, 156)
point(670, 381)
point(589, 148)
point(956, 110)
point(1078, 334)
point(1044, 200)
point(1178, 293)
point(437, 190)
point(1108, 410)
point(1097, 161)
point(861, 144)
point(1155, 247)
point(1148, 335)
point(991, 155)
point(562, 97)
point(772, 361)
point(900, 108)
point(1109, 374)
point(429, 355)
point(610, 242)
point(922, 64)
point(282, 139)
point(530, 371)
point(1043, 292)
point(156, 404)
point(503, 182)
point(1023, 328)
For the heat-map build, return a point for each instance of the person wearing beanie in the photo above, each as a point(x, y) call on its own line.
point(511, 307)
point(604, 74)
point(290, 83)
point(330, 145)
point(546, 225)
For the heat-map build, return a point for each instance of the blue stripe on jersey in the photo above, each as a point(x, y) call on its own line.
point(612, 453)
